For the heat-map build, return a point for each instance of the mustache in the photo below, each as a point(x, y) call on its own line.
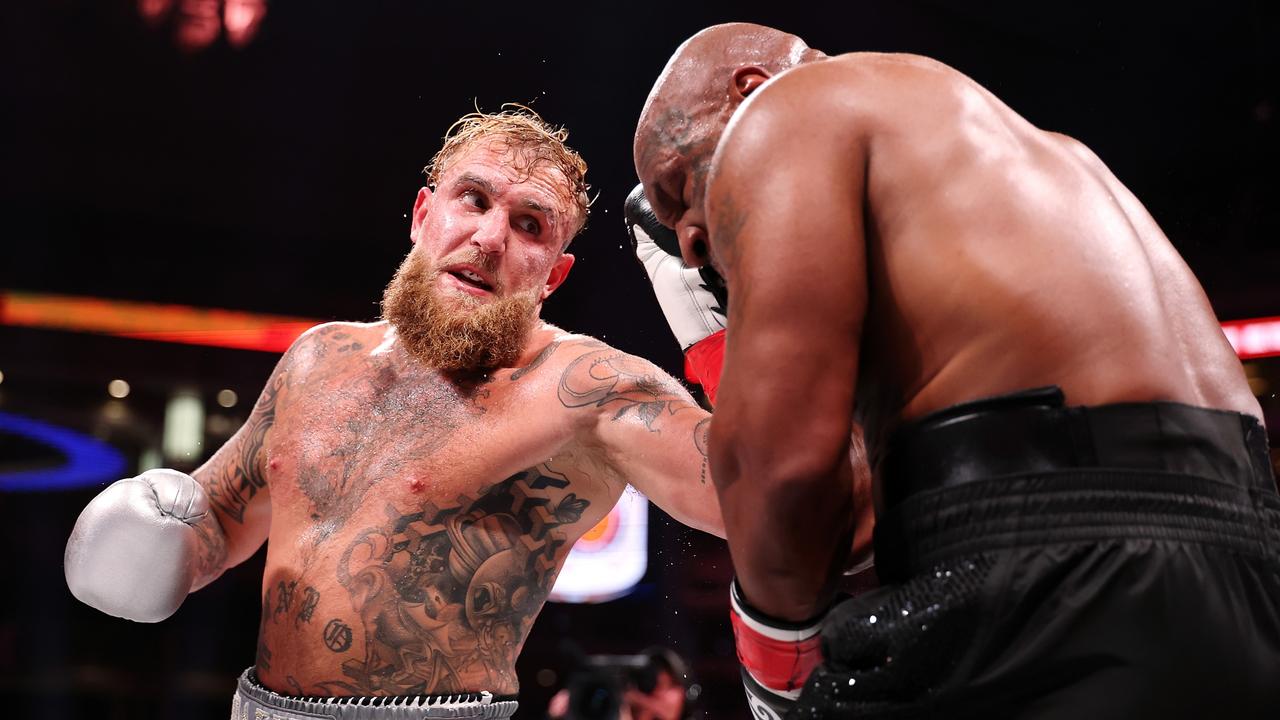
point(485, 262)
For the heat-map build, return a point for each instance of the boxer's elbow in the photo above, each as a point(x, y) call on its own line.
point(777, 458)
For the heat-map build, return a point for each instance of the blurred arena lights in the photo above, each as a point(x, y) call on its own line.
point(88, 461)
point(1255, 338)
point(610, 558)
point(118, 389)
point(197, 24)
point(227, 398)
point(1252, 338)
point(183, 436)
point(152, 321)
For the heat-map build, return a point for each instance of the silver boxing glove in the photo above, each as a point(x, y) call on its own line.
point(133, 553)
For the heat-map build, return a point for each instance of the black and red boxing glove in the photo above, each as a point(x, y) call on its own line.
point(777, 656)
point(695, 302)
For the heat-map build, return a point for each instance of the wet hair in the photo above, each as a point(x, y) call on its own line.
point(532, 143)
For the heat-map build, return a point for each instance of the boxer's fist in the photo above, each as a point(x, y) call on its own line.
point(777, 657)
point(133, 552)
point(693, 301)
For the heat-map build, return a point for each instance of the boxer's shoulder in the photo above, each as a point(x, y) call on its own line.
point(332, 345)
point(601, 385)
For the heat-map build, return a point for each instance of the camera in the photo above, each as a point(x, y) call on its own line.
point(597, 687)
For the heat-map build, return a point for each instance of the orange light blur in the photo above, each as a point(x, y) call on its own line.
point(152, 321)
point(1254, 338)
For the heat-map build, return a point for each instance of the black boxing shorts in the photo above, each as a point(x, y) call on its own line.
point(1042, 561)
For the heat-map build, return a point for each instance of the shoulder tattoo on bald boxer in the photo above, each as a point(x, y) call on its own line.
point(623, 383)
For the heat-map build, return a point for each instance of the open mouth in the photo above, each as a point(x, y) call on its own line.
point(471, 279)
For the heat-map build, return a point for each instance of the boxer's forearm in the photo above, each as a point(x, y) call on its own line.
point(788, 529)
point(211, 559)
point(779, 452)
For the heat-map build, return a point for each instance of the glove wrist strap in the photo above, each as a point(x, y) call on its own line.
point(778, 655)
point(702, 363)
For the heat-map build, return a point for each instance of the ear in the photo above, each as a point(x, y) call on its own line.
point(747, 79)
point(559, 272)
point(419, 214)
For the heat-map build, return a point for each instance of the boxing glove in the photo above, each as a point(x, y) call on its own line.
point(133, 552)
point(776, 656)
point(695, 302)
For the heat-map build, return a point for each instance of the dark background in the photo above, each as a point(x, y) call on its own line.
point(275, 178)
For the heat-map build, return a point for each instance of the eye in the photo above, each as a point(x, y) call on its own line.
point(529, 225)
point(475, 199)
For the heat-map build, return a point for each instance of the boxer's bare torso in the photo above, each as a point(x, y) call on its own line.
point(997, 256)
point(896, 240)
point(417, 523)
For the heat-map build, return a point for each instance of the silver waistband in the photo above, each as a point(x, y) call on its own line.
point(252, 701)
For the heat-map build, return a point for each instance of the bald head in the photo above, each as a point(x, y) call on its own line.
point(687, 111)
point(695, 94)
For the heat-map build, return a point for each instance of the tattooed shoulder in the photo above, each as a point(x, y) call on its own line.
point(622, 384)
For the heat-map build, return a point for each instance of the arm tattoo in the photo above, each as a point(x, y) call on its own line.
point(701, 432)
point(445, 595)
point(237, 483)
point(625, 384)
point(213, 547)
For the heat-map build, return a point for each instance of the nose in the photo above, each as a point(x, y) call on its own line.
point(693, 245)
point(491, 232)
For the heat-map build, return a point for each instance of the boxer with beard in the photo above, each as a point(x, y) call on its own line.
point(422, 479)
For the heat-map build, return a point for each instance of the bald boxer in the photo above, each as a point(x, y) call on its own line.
point(422, 479)
point(1076, 516)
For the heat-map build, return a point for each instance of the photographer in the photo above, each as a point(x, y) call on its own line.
point(653, 685)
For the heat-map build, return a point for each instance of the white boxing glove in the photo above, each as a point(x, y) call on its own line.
point(694, 301)
point(133, 552)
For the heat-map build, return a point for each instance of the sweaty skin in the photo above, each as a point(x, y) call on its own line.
point(417, 520)
point(897, 240)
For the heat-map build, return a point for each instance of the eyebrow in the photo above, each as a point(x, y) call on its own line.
point(489, 187)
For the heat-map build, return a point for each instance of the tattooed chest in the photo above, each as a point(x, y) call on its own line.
point(334, 448)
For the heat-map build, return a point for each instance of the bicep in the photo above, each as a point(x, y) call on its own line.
point(652, 433)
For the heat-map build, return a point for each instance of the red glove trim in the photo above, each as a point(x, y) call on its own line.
point(779, 659)
point(702, 363)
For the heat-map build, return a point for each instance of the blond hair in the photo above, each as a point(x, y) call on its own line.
point(532, 142)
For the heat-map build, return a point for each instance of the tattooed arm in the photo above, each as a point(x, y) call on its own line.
point(651, 432)
point(235, 480)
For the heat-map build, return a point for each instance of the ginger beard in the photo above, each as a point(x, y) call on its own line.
point(461, 333)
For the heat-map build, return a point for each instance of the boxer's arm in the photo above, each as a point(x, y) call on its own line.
point(144, 543)
point(236, 482)
point(649, 431)
point(785, 224)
